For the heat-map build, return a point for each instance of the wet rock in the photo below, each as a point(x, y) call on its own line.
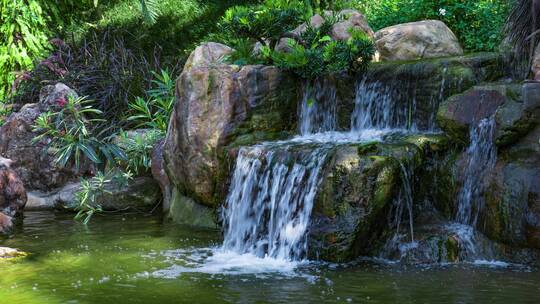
point(510, 214)
point(417, 40)
point(217, 104)
point(186, 211)
point(140, 194)
point(32, 161)
point(458, 113)
point(354, 206)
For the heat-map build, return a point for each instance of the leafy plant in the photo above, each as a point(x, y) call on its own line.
point(265, 23)
point(23, 37)
point(318, 54)
point(69, 134)
point(138, 148)
point(92, 190)
point(155, 111)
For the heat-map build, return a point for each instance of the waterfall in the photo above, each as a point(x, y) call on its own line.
point(375, 107)
point(318, 107)
point(480, 159)
point(270, 200)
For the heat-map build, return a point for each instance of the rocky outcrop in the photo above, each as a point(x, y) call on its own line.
point(220, 105)
point(362, 192)
point(417, 40)
point(140, 194)
point(510, 213)
point(32, 161)
point(12, 195)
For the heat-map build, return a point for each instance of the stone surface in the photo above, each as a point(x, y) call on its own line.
point(457, 114)
point(216, 105)
point(12, 195)
point(10, 253)
point(352, 19)
point(141, 194)
point(159, 174)
point(416, 40)
point(186, 211)
point(32, 161)
point(207, 54)
point(535, 68)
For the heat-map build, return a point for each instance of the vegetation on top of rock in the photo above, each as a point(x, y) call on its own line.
point(308, 49)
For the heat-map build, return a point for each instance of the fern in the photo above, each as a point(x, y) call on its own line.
point(150, 10)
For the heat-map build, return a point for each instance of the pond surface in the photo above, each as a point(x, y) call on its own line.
point(137, 259)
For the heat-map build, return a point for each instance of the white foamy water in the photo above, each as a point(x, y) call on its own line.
point(219, 261)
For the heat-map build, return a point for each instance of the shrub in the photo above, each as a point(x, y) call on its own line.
point(317, 54)
point(265, 23)
point(138, 149)
point(155, 111)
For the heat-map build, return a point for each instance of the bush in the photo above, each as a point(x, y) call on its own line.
point(70, 133)
point(265, 23)
point(477, 24)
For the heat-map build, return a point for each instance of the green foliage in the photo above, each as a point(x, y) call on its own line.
point(23, 37)
point(318, 54)
point(155, 112)
point(93, 189)
point(69, 133)
point(477, 24)
point(138, 148)
point(265, 23)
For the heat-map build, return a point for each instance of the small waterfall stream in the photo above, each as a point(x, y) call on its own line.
point(480, 159)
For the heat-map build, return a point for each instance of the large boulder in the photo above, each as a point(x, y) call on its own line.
point(417, 40)
point(218, 105)
point(32, 161)
point(12, 195)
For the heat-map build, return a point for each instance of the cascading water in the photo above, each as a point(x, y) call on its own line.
point(318, 108)
point(480, 160)
point(270, 201)
point(480, 157)
point(376, 108)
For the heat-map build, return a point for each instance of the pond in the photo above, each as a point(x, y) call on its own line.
point(126, 258)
